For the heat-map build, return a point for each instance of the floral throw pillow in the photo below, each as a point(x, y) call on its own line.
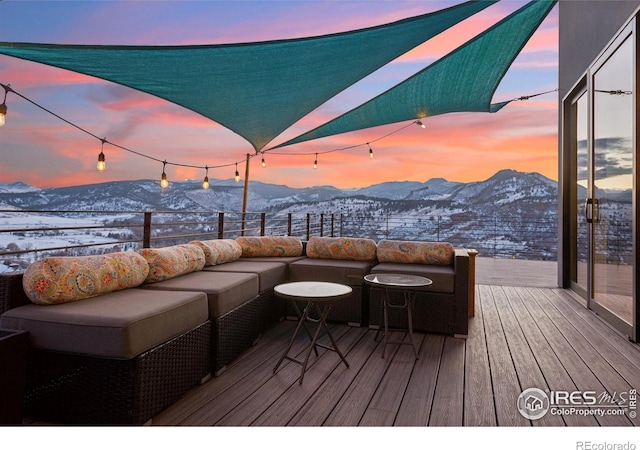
point(170, 262)
point(415, 252)
point(261, 246)
point(65, 279)
point(219, 251)
point(354, 249)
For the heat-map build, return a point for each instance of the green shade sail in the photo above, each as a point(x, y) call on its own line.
point(258, 89)
point(463, 80)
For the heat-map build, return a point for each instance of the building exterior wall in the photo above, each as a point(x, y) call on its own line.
point(585, 28)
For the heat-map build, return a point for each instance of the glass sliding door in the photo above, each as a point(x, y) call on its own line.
point(579, 227)
point(609, 208)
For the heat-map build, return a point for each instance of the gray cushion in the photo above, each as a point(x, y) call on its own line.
point(282, 259)
point(118, 325)
point(269, 273)
point(333, 270)
point(225, 290)
point(443, 277)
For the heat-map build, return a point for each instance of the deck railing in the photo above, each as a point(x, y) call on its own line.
point(26, 235)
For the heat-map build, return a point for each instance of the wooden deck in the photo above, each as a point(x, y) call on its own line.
point(520, 337)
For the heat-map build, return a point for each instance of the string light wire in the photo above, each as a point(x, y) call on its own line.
point(164, 162)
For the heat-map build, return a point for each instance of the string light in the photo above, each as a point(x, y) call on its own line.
point(264, 163)
point(370, 151)
point(237, 177)
point(205, 182)
point(101, 164)
point(419, 123)
point(315, 162)
point(3, 106)
point(164, 183)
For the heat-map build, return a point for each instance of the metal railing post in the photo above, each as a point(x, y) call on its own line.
point(321, 224)
point(308, 226)
point(289, 227)
point(146, 230)
point(263, 221)
point(220, 225)
point(333, 218)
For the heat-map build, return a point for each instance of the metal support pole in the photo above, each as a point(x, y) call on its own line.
point(244, 195)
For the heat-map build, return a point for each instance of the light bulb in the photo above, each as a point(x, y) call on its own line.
point(205, 183)
point(237, 177)
point(420, 124)
point(3, 113)
point(315, 162)
point(264, 164)
point(163, 181)
point(370, 152)
point(101, 164)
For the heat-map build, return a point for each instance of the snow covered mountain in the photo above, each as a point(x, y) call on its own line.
point(510, 214)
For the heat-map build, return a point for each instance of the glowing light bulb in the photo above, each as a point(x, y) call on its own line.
point(205, 183)
point(264, 164)
point(101, 164)
point(164, 183)
point(3, 113)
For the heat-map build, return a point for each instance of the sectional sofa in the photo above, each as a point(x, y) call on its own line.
point(117, 338)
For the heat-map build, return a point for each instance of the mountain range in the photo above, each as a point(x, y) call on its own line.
point(504, 188)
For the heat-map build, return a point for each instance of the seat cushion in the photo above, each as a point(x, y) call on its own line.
point(269, 274)
point(282, 259)
point(225, 290)
point(118, 325)
point(334, 270)
point(443, 277)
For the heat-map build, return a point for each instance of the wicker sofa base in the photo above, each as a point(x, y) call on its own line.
point(433, 312)
point(77, 389)
point(238, 330)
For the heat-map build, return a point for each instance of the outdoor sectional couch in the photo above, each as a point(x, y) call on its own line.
point(117, 338)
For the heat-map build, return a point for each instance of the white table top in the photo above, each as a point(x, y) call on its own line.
point(398, 280)
point(312, 290)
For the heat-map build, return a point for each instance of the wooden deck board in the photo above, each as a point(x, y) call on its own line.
point(520, 337)
point(555, 375)
point(503, 373)
point(527, 369)
point(574, 365)
point(479, 409)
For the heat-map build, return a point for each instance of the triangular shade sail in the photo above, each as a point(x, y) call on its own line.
point(463, 80)
point(257, 89)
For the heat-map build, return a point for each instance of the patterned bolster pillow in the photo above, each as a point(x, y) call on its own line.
point(353, 249)
point(412, 252)
point(64, 279)
point(253, 247)
point(170, 262)
point(219, 251)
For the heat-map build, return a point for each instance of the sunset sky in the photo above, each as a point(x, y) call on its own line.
point(42, 150)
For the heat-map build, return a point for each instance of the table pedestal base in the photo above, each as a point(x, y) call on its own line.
point(302, 322)
point(408, 305)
